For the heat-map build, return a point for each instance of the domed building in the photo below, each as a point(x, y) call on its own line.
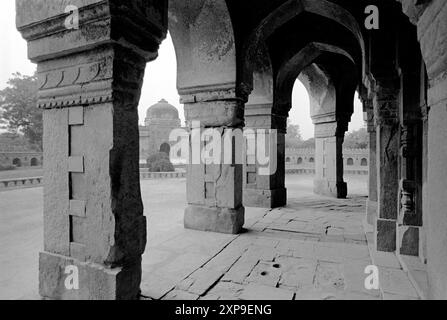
point(161, 119)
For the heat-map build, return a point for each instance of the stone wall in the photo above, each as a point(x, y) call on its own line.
point(355, 161)
point(21, 159)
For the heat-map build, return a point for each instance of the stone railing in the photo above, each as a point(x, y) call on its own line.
point(21, 182)
point(353, 171)
point(161, 175)
point(300, 171)
point(29, 182)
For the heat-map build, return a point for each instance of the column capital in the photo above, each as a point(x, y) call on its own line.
point(386, 105)
point(139, 26)
point(92, 63)
point(331, 129)
point(260, 116)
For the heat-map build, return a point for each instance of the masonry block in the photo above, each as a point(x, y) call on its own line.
point(386, 235)
point(408, 240)
point(330, 188)
point(96, 282)
point(215, 219)
point(265, 198)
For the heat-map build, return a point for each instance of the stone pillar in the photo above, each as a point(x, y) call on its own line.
point(387, 152)
point(261, 189)
point(214, 191)
point(371, 203)
point(425, 110)
point(410, 184)
point(329, 138)
point(90, 81)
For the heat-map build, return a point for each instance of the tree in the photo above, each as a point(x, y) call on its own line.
point(14, 142)
point(308, 144)
point(293, 137)
point(19, 112)
point(357, 139)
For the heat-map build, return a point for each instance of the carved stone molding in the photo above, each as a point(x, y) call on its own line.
point(331, 129)
point(385, 111)
point(217, 113)
point(406, 142)
point(138, 25)
point(217, 92)
point(93, 77)
point(407, 202)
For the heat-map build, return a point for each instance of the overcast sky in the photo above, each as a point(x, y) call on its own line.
point(159, 81)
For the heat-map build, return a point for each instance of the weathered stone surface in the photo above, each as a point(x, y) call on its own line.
point(408, 241)
point(396, 282)
point(260, 292)
point(180, 295)
point(96, 282)
point(386, 235)
point(265, 198)
point(98, 73)
point(265, 274)
point(329, 160)
point(436, 185)
point(215, 219)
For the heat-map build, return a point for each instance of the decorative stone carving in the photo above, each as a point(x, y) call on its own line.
point(407, 203)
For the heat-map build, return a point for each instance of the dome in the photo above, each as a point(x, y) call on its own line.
point(162, 110)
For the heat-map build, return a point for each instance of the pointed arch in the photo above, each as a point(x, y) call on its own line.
point(292, 9)
point(204, 42)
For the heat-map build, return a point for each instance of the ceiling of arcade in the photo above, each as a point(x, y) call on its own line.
point(268, 43)
point(296, 35)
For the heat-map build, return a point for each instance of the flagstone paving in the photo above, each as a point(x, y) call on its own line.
point(315, 248)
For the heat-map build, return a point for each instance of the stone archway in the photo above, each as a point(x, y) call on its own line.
point(165, 148)
point(34, 162)
point(17, 162)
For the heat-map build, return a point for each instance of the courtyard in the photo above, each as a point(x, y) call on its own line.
point(314, 248)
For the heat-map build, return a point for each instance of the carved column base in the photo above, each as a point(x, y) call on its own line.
point(385, 235)
point(214, 219)
point(96, 282)
point(265, 198)
point(328, 188)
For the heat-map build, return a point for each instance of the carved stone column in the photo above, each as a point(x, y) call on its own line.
point(90, 80)
point(329, 137)
point(262, 189)
point(371, 203)
point(410, 185)
point(425, 110)
point(214, 190)
point(387, 151)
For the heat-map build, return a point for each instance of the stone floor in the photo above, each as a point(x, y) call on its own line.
point(315, 248)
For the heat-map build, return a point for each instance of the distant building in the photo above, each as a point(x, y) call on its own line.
point(21, 158)
point(161, 119)
point(305, 158)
